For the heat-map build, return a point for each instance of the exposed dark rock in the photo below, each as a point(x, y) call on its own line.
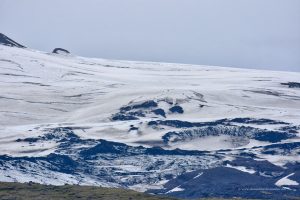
point(230, 130)
point(134, 111)
point(61, 163)
point(60, 51)
point(186, 124)
point(260, 167)
point(282, 149)
point(121, 149)
point(172, 123)
point(133, 128)
point(160, 112)
point(224, 182)
point(292, 84)
point(143, 105)
point(272, 136)
point(255, 121)
point(59, 134)
point(9, 42)
point(176, 109)
point(121, 117)
point(290, 129)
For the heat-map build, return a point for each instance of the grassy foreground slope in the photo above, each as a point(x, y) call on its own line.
point(38, 191)
point(34, 191)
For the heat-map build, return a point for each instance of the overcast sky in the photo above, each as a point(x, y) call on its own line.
point(263, 34)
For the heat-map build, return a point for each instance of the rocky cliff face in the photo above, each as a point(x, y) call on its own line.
point(4, 40)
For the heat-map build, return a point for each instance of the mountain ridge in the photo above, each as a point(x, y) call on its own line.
point(4, 40)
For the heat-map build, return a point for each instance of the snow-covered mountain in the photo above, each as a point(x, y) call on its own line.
point(174, 129)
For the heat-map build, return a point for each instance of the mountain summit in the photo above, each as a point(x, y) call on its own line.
point(9, 42)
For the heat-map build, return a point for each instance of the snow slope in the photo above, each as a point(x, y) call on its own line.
point(223, 111)
point(40, 89)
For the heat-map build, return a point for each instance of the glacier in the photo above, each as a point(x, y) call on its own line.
point(179, 130)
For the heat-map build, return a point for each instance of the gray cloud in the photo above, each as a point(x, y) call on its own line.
point(263, 34)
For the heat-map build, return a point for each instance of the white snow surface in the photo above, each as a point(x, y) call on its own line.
point(176, 189)
point(42, 90)
point(242, 168)
point(286, 181)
